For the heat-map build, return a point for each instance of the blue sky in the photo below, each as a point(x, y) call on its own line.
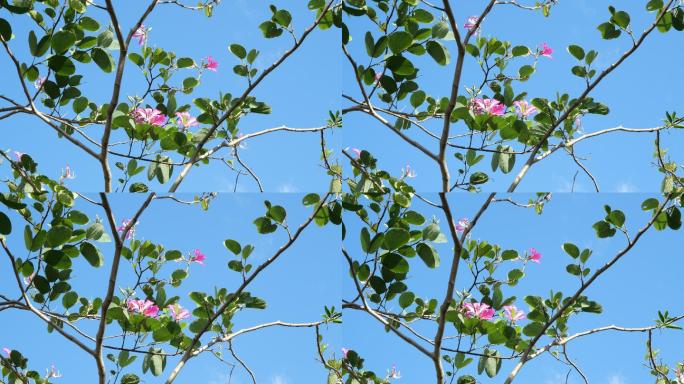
point(311, 275)
point(300, 92)
point(638, 94)
point(296, 287)
point(631, 292)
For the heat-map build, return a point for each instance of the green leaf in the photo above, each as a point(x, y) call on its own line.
point(41, 284)
point(399, 41)
point(399, 65)
point(406, 299)
point(440, 30)
point(654, 5)
point(576, 51)
point(232, 246)
point(532, 329)
point(650, 204)
point(520, 50)
point(478, 178)
point(395, 238)
point(270, 30)
point(395, 263)
point(62, 41)
point(69, 299)
point(58, 235)
point(616, 218)
point(89, 24)
point(608, 31)
point(621, 18)
point(103, 59)
point(417, 98)
point(572, 250)
point(283, 17)
point(603, 229)
point(428, 254)
point(311, 199)
point(183, 62)
point(5, 224)
point(438, 52)
point(5, 30)
point(238, 50)
point(92, 254)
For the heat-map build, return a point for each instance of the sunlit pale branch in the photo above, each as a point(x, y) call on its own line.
point(113, 274)
point(379, 317)
point(188, 354)
point(569, 302)
point(198, 149)
point(531, 160)
point(36, 311)
point(381, 119)
point(123, 50)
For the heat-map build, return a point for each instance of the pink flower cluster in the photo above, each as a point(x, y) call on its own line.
point(470, 23)
point(177, 312)
point(483, 311)
point(408, 172)
point(524, 108)
point(144, 307)
point(492, 107)
point(185, 120)
point(197, 257)
point(545, 51)
point(131, 232)
point(462, 225)
point(149, 116)
point(535, 256)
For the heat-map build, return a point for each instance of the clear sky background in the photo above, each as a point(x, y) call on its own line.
point(296, 288)
point(300, 92)
point(632, 292)
point(638, 94)
point(311, 274)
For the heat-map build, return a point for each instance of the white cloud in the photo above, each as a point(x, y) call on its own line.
point(287, 188)
point(626, 187)
point(279, 379)
point(616, 379)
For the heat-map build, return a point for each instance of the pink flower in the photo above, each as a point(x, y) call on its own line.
point(38, 84)
point(512, 313)
point(7, 351)
point(394, 374)
point(145, 307)
point(470, 23)
point(524, 108)
point(198, 257)
point(149, 116)
point(178, 313)
point(131, 231)
point(491, 106)
point(67, 174)
point(210, 64)
point(480, 310)
point(534, 255)
point(546, 51)
point(408, 172)
point(378, 76)
point(462, 224)
point(357, 152)
point(141, 34)
point(345, 351)
point(52, 372)
point(18, 155)
point(185, 120)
